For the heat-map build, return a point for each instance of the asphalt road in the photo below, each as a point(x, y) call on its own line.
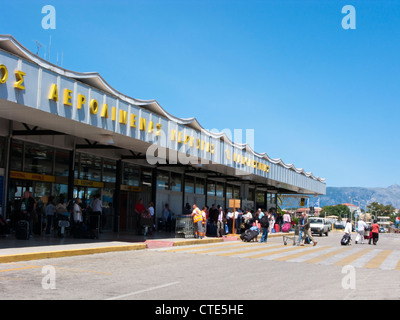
point(226, 271)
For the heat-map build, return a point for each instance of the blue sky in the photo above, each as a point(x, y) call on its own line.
point(320, 97)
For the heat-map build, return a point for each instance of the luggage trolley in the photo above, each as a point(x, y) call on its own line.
point(184, 227)
point(294, 238)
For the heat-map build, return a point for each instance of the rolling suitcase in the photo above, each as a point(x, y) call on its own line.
point(22, 230)
point(248, 235)
point(346, 240)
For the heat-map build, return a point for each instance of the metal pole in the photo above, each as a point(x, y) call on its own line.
point(6, 214)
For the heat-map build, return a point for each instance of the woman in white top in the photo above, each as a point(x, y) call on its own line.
point(348, 228)
point(271, 219)
point(77, 211)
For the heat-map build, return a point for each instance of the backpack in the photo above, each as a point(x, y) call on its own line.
point(264, 222)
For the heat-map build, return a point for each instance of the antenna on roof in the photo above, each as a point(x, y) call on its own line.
point(39, 45)
point(49, 47)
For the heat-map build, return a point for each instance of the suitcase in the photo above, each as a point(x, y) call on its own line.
point(22, 230)
point(286, 227)
point(346, 240)
point(249, 235)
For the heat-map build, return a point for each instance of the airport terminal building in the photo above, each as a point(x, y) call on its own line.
point(70, 133)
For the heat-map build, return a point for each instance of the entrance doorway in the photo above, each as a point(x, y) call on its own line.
point(86, 194)
point(127, 218)
point(38, 190)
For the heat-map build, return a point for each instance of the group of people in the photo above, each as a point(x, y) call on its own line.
point(43, 216)
point(362, 229)
point(227, 221)
point(144, 217)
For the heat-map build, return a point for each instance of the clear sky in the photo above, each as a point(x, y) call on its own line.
point(318, 96)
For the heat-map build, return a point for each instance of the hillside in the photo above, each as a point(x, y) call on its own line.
point(334, 195)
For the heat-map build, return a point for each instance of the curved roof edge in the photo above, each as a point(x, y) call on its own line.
point(94, 79)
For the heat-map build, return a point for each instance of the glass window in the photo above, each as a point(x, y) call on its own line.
point(271, 200)
point(61, 163)
point(229, 192)
point(61, 191)
point(211, 188)
point(90, 168)
point(38, 159)
point(189, 184)
point(162, 180)
point(251, 195)
point(16, 156)
point(236, 192)
point(107, 197)
point(42, 190)
point(77, 165)
point(260, 197)
point(131, 176)
point(220, 190)
point(176, 182)
point(146, 175)
point(109, 171)
point(200, 185)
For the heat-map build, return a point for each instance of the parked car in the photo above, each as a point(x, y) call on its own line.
point(319, 225)
point(338, 225)
point(329, 224)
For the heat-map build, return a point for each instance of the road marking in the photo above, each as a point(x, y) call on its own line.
point(27, 267)
point(353, 257)
point(274, 252)
point(263, 248)
point(376, 262)
point(142, 291)
point(322, 257)
point(203, 247)
point(82, 270)
point(21, 268)
point(391, 262)
point(341, 255)
point(229, 248)
point(294, 256)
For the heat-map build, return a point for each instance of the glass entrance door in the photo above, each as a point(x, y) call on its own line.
point(86, 194)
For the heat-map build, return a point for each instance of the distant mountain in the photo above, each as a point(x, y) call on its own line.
point(386, 196)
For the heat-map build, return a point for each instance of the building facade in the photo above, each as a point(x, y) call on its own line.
point(70, 133)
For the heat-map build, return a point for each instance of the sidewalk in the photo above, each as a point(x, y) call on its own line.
point(44, 247)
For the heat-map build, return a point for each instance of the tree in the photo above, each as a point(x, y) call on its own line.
point(339, 210)
point(377, 209)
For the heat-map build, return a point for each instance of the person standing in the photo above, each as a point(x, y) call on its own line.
point(50, 212)
point(28, 207)
point(221, 222)
point(307, 230)
point(271, 221)
point(197, 215)
point(138, 210)
point(167, 218)
point(286, 218)
point(97, 205)
point(265, 226)
point(78, 218)
point(213, 214)
point(151, 211)
point(361, 230)
point(97, 210)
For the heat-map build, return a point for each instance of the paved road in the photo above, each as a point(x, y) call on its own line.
point(223, 271)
